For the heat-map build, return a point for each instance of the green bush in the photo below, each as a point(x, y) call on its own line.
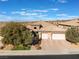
point(72, 35)
point(21, 47)
point(16, 34)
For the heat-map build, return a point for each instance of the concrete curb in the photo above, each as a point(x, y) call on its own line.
point(37, 52)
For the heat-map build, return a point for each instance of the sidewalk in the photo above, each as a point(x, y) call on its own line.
point(38, 52)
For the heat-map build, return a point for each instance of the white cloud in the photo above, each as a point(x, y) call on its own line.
point(3, 0)
point(18, 12)
point(54, 9)
point(66, 16)
point(41, 15)
point(48, 18)
point(24, 13)
point(23, 9)
point(30, 14)
point(5, 18)
point(62, 1)
point(73, 16)
point(40, 10)
point(62, 14)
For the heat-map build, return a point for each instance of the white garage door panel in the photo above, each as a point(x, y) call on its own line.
point(58, 36)
point(44, 36)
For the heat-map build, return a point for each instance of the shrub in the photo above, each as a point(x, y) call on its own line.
point(16, 34)
point(21, 47)
point(72, 35)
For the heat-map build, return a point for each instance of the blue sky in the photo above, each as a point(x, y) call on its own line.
point(30, 10)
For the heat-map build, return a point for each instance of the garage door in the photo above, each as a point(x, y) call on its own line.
point(45, 36)
point(58, 36)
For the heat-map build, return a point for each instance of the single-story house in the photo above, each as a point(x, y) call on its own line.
point(48, 31)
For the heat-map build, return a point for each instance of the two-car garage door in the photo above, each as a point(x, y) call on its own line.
point(58, 36)
point(54, 36)
point(45, 36)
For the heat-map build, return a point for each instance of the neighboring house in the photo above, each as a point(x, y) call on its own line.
point(48, 31)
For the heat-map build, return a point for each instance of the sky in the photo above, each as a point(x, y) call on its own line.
point(33, 10)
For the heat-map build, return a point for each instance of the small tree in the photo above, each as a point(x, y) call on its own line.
point(35, 39)
point(16, 34)
point(72, 35)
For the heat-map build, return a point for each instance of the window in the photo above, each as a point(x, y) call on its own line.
point(34, 27)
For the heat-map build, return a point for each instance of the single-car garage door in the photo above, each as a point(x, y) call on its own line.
point(58, 36)
point(45, 36)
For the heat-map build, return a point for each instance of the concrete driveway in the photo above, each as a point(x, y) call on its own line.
point(49, 47)
point(55, 45)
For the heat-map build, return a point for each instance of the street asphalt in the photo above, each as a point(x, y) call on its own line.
point(75, 56)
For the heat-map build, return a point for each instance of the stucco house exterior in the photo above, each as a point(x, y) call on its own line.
point(53, 35)
point(48, 31)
